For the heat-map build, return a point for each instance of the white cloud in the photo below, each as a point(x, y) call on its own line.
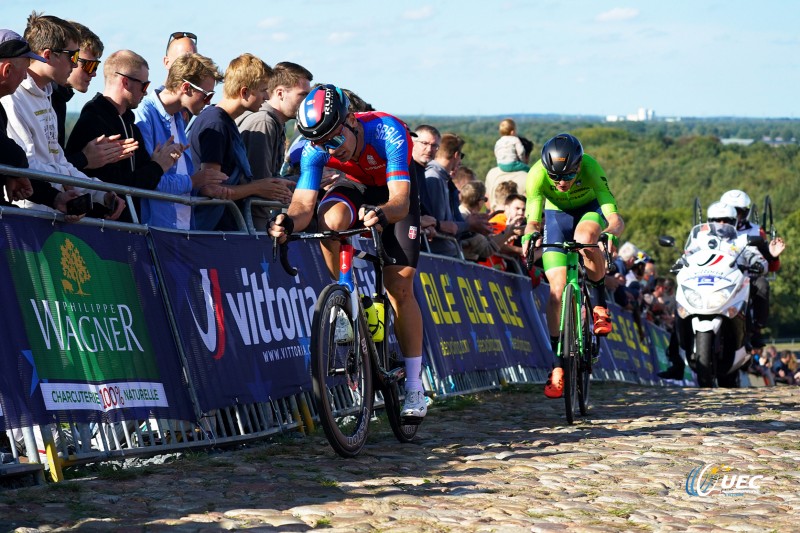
point(618, 14)
point(272, 22)
point(422, 13)
point(340, 37)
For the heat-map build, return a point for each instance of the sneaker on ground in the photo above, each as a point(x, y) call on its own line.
point(415, 404)
point(602, 321)
point(344, 330)
point(554, 388)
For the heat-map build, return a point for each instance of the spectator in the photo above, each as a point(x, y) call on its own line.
point(15, 55)
point(496, 175)
point(102, 150)
point(179, 43)
point(626, 256)
point(216, 143)
point(508, 149)
point(32, 122)
point(110, 113)
point(509, 225)
point(784, 368)
point(463, 175)
point(426, 143)
point(264, 132)
point(190, 85)
point(501, 193)
point(443, 196)
point(476, 247)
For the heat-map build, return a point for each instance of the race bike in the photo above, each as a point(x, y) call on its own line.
point(713, 290)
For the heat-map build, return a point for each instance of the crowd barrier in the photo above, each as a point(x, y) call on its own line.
point(122, 340)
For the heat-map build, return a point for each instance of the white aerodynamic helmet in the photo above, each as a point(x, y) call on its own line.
point(719, 210)
point(736, 198)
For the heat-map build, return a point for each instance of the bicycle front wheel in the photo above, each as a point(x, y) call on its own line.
point(569, 352)
point(587, 354)
point(341, 373)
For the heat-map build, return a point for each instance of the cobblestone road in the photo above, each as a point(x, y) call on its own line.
point(490, 462)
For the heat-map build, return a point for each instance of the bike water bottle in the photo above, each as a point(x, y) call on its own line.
point(375, 312)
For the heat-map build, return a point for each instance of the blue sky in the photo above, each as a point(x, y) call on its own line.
point(578, 57)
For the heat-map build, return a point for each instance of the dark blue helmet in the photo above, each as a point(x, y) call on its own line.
point(562, 155)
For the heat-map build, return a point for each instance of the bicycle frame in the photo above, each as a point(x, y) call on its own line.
point(378, 354)
point(575, 271)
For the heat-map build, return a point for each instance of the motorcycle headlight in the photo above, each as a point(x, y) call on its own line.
point(718, 299)
point(714, 301)
point(693, 298)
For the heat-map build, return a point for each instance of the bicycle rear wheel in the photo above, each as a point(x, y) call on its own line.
point(569, 353)
point(391, 393)
point(341, 375)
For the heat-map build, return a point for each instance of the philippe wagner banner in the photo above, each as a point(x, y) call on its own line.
point(85, 333)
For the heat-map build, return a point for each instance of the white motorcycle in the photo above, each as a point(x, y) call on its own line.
point(713, 279)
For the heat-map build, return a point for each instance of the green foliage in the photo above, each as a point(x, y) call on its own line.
point(657, 169)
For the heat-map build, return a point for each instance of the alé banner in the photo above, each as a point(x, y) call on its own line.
point(85, 333)
point(477, 318)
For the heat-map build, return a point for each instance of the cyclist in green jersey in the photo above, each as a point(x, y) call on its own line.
point(571, 190)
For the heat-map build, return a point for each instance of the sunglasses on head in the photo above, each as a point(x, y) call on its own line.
point(562, 177)
point(145, 84)
point(208, 95)
point(181, 35)
point(88, 65)
point(71, 54)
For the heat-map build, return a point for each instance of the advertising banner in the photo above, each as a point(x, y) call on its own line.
point(244, 324)
point(85, 333)
point(476, 318)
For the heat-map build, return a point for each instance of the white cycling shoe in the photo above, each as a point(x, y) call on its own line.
point(344, 330)
point(415, 405)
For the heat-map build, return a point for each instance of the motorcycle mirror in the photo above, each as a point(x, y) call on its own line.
point(666, 241)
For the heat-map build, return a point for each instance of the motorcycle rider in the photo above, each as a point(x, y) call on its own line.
point(759, 291)
point(718, 233)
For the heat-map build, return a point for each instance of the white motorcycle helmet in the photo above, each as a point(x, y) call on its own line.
point(723, 212)
point(737, 199)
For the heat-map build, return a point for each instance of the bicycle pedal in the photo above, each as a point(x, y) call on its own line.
point(411, 420)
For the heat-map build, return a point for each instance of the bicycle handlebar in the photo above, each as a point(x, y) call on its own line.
point(569, 246)
point(283, 249)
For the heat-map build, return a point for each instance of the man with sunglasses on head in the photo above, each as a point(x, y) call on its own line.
point(571, 190)
point(373, 150)
point(110, 113)
point(190, 85)
point(32, 122)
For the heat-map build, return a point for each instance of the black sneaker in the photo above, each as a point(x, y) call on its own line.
point(673, 372)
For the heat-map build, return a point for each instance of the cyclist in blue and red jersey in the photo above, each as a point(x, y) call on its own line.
point(373, 150)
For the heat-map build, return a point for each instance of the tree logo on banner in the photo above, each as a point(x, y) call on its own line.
point(74, 268)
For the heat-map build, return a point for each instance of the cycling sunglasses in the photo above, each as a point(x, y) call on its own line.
point(88, 65)
point(563, 177)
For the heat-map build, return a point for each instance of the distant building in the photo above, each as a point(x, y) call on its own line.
point(737, 141)
point(642, 115)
